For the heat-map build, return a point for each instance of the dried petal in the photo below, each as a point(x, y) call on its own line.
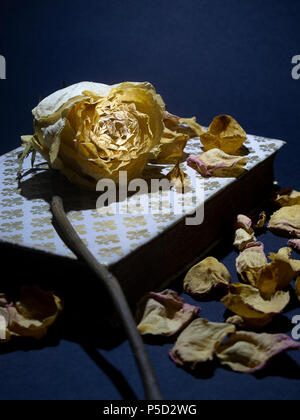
point(247, 302)
point(224, 133)
point(261, 220)
point(177, 177)
point(217, 163)
point(287, 197)
point(248, 352)
point(250, 262)
point(164, 313)
point(286, 221)
point(236, 320)
point(206, 277)
point(198, 342)
point(35, 312)
point(242, 238)
point(295, 243)
point(244, 222)
point(297, 287)
point(177, 131)
point(278, 274)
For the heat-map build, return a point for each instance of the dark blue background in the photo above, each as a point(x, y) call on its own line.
point(205, 58)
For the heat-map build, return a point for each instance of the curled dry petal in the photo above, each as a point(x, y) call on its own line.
point(242, 238)
point(287, 197)
point(244, 222)
point(248, 352)
point(91, 130)
point(278, 274)
point(164, 313)
point(224, 133)
point(217, 163)
point(286, 221)
point(34, 312)
point(236, 320)
point(295, 243)
point(250, 262)
point(177, 177)
point(206, 277)
point(297, 287)
point(198, 342)
point(177, 131)
point(260, 221)
point(247, 302)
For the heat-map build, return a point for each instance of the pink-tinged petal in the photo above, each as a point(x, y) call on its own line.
point(248, 352)
point(164, 313)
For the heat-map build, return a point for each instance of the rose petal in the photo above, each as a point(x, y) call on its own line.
point(177, 177)
point(286, 221)
point(248, 352)
point(35, 312)
point(287, 197)
point(250, 262)
point(246, 301)
point(244, 222)
point(242, 238)
point(206, 277)
point(198, 342)
point(295, 243)
point(164, 313)
point(224, 133)
point(217, 163)
point(260, 221)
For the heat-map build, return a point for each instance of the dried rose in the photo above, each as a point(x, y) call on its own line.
point(206, 277)
point(247, 302)
point(198, 342)
point(91, 130)
point(217, 163)
point(244, 222)
point(260, 221)
point(224, 133)
point(247, 352)
point(286, 221)
point(164, 313)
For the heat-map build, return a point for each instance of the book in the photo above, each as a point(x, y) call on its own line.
point(145, 249)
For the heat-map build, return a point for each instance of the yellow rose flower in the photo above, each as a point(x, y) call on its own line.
point(90, 131)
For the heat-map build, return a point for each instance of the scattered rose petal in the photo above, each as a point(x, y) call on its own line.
point(177, 177)
point(224, 133)
point(236, 320)
point(206, 277)
point(164, 313)
point(34, 312)
point(198, 342)
point(244, 222)
point(250, 262)
point(246, 301)
point(217, 163)
point(248, 352)
point(242, 238)
point(287, 197)
point(260, 221)
point(286, 221)
point(278, 274)
point(177, 131)
point(295, 243)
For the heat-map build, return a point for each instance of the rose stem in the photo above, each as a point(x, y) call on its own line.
point(73, 241)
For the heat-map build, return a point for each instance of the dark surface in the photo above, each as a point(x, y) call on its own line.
point(205, 58)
